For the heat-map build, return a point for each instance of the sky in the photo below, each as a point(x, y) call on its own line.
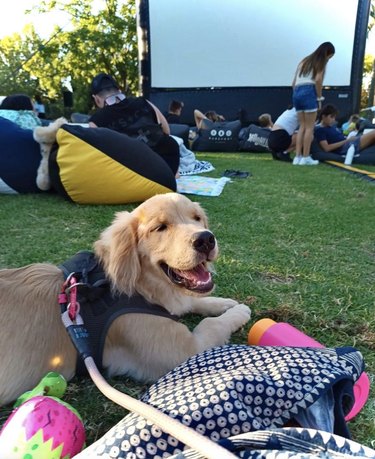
point(13, 19)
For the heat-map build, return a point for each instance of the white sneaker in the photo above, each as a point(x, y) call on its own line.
point(296, 160)
point(308, 161)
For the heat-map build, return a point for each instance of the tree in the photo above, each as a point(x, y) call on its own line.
point(368, 75)
point(97, 41)
point(15, 51)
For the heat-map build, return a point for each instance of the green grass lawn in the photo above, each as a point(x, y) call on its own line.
point(297, 245)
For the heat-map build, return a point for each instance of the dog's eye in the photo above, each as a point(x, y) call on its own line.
point(197, 218)
point(161, 227)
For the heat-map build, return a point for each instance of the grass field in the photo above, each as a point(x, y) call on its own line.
point(297, 245)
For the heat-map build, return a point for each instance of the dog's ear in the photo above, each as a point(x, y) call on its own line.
point(117, 249)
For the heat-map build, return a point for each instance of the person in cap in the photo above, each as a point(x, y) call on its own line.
point(135, 116)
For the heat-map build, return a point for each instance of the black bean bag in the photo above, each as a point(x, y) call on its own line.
point(217, 136)
point(254, 139)
point(19, 159)
point(365, 156)
point(182, 131)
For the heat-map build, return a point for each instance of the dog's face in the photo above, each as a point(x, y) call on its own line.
point(165, 242)
point(173, 237)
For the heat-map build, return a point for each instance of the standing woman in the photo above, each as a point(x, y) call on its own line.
point(307, 99)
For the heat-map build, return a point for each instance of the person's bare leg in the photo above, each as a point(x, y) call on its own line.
point(292, 146)
point(298, 138)
point(366, 140)
point(310, 118)
point(300, 133)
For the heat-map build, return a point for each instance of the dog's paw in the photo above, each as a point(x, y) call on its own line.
point(239, 315)
point(223, 304)
point(43, 181)
point(47, 134)
point(59, 122)
point(212, 306)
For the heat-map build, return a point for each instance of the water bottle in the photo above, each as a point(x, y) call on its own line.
point(349, 155)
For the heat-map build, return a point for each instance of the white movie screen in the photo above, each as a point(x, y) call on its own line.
point(246, 43)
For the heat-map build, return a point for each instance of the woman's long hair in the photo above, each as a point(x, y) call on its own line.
point(212, 115)
point(316, 62)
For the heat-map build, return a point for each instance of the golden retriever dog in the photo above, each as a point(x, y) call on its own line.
point(46, 137)
point(163, 251)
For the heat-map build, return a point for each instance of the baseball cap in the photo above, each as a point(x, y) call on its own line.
point(103, 81)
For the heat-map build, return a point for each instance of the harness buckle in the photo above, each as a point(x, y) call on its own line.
point(73, 309)
point(68, 296)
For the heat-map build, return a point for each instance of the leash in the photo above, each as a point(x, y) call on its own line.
point(71, 318)
point(79, 335)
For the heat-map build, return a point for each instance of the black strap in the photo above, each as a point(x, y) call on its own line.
point(98, 306)
point(86, 267)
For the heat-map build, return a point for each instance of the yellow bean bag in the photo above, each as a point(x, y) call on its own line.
point(102, 166)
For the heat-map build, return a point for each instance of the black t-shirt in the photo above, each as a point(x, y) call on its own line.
point(172, 118)
point(134, 117)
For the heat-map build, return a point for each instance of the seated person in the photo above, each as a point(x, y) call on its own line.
point(210, 115)
point(350, 124)
point(136, 117)
point(174, 112)
point(354, 130)
point(19, 109)
point(265, 121)
point(331, 139)
point(282, 139)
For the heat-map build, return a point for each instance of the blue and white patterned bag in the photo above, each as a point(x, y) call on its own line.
point(236, 389)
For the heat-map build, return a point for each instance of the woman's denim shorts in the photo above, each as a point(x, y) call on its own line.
point(304, 98)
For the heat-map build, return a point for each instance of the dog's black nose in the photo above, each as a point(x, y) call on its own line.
point(204, 242)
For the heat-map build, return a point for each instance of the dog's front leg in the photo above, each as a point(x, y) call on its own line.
point(211, 305)
point(42, 177)
point(216, 331)
point(46, 137)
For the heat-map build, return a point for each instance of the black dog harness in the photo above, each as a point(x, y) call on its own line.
point(99, 307)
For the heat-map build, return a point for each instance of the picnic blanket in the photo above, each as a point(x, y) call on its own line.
point(189, 165)
point(203, 186)
point(195, 167)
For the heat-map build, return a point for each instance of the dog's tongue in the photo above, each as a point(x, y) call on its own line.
point(197, 277)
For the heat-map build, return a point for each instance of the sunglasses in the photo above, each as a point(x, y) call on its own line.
point(112, 100)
